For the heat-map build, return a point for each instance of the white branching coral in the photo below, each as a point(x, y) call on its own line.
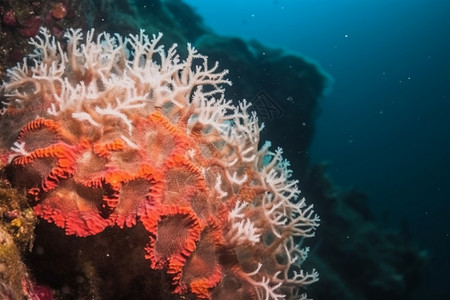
point(113, 65)
point(242, 229)
point(155, 134)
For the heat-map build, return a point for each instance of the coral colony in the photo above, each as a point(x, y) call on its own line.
point(114, 131)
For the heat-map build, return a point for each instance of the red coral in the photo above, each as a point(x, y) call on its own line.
point(59, 11)
point(31, 26)
point(88, 186)
point(9, 18)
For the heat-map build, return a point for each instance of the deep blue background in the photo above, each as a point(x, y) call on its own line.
point(385, 124)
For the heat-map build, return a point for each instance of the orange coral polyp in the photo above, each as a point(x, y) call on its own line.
point(105, 149)
point(165, 247)
point(202, 287)
point(39, 133)
point(120, 140)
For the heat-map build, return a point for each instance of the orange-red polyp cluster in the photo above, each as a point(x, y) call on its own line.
point(102, 136)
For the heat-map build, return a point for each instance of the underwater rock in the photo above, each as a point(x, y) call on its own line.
point(21, 20)
point(17, 223)
point(359, 259)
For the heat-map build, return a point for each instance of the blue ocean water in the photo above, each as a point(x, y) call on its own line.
point(385, 123)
